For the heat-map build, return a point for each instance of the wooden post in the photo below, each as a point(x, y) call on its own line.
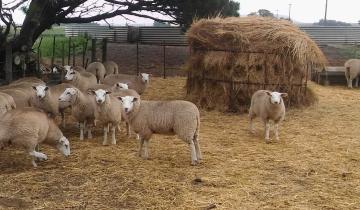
point(104, 50)
point(39, 56)
point(74, 54)
point(8, 64)
point(84, 52)
point(93, 50)
point(137, 59)
point(69, 52)
point(53, 51)
point(164, 60)
point(63, 54)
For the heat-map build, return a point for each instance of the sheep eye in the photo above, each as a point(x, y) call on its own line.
point(72, 73)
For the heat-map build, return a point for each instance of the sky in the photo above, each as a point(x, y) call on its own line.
point(305, 11)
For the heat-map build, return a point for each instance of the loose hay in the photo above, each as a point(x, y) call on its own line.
point(234, 57)
point(315, 166)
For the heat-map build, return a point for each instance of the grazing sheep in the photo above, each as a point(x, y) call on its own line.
point(80, 80)
point(268, 106)
point(97, 69)
point(111, 67)
point(164, 117)
point(47, 99)
point(82, 108)
point(138, 83)
point(352, 71)
point(108, 111)
point(28, 128)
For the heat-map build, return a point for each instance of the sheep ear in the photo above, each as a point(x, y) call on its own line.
point(268, 93)
point(91, 92)
point(284, 95)
point(108, 92)
point(120, 98)
point(33, 87)
point(135, 99)
point(46, 88)
point(117, 85)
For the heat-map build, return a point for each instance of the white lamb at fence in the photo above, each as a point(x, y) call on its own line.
point(163, 117)
point(268, 106)
point(352, 71)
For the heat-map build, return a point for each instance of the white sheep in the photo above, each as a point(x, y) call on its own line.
point(352, 71)
point(138, 83)
point(80, 80)
point(164, 117)
point(268, 106)
point(82, 108)
point(29, 127)
point(33, 80)
point(97, 69)
point(111, 67)
point(108, 111)
point(7, 103)
point(20, 97)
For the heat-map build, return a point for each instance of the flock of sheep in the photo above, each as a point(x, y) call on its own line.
point(100, 95)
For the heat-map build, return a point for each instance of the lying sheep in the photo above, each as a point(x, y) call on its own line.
point(80, 80)
point(47, 99)
point(164, 117)
point(352, 71)
point(97, 69)
point(111, 67)
point(82, 108)
point(138, 83)
point(108, 111)
point(268, 106)
point(7, 103)
point(28, 128)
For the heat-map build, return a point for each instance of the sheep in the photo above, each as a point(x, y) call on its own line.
point(111, 67)
point(20, 97)
point(6, 103)
point(138, 83)
point(82, 108)
point(268, 106)
point(30, 127)
point(80, 80)
point(47, 98)
point(27, 80)
point(352, 71)
point(97, 69)
point(108, 111)
point(164, 117)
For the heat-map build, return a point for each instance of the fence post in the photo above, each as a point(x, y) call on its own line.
point(69, 52)
point(104, 50)
point(8, 64)
point(39, 55)
point(74, 54)
point(63, 54)
point(93, 50)
point(137, 59)
point(53, 51)
point(84, 52)
point(164, 60)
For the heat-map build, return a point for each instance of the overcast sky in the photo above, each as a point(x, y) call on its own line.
point(307, 11)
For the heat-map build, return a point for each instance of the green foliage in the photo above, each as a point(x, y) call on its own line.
point(350, 51)
point(322, 22)
point(262, 13)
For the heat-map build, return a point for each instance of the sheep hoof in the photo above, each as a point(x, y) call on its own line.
point(113, 142)
point(194, 162)
point(34, 163)
point(105, 144)
point(267, 141)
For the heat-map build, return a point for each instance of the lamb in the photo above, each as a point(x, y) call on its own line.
point(108, 111)
point(164, 117)
point(82, 81)
point(268, 106)
point(82, 108)
point(138, 83)
point(30, 127)
point(47, 99)
point(352, 71)
point(97, 69)
point(111, 67)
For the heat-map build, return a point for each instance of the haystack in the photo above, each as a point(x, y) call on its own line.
point(233, 57)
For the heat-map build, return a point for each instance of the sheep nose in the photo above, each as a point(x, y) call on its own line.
point(126, 109)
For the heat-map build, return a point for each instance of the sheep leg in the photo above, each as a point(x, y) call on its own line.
point(128, 131)
point(193, 153)
point(38, 156)
point(146, 149)
point(63, 119)
point(118, 127)
point(82, 131)
point(89, 131)
point(137, 137)
point(267, 131)
point(251, 126)
point(350, 83)
point(277, 131)
point(105, 136)
point(113, 139)
point(141, 146)
point(197, 148)
point(357, 82)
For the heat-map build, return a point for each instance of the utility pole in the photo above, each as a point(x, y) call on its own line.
point(326, 5)
point(290, 12)
point(277, 13)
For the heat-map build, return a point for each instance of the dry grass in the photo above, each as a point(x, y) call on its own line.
point(315, 166)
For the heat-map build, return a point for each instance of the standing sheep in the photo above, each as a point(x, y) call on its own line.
point(352, 71)
point(111, 67)
point(82, 108)
point(137, 83)
point(268, 106)
point(97, 69)
point(164, 117)
point(30, 127)
point(80, 80)
point(108, 111)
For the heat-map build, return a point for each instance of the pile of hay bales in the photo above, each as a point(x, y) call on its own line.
point(233, 57)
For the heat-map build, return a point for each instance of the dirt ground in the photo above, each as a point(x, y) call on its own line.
point(314, 166)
